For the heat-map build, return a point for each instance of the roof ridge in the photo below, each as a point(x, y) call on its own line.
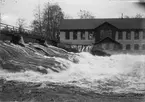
point(127, 23)
point(106, 19)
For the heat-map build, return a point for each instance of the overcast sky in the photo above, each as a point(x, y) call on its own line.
point(13, 9)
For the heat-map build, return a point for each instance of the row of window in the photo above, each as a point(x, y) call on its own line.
point(136, 47)
point(128, 36)
point(82, 35)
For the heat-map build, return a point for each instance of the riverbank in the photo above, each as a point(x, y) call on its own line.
point(53, 92)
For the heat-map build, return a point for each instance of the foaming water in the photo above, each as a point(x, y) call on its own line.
point(118, 73)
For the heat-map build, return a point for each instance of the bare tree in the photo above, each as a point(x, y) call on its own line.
point(48, 21)
point(37, 23)
point(83, 14)
point(139, 16)
point(21, 23)
point(52, 16)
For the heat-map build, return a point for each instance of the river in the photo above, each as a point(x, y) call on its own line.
point(75, 77)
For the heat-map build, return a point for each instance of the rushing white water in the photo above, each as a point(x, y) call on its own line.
point(118, 73)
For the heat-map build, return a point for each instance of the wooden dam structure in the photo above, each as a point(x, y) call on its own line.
point(15, 35)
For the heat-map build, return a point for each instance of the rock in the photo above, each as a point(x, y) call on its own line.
point(99, 53)
point(11, 66)
point(43, 85)
point(2, 82)
point(41, 42)
point(42, 70)
point(16, 39)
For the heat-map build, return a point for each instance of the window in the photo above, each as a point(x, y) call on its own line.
point(105, 33)
point(109, 33)
point(136, 35)
point(67, 35)
point(128, 47)
point(83, 35)
point(102, 34)
point(90, 35)
point(136, 47)
point(74, 35)
point(121, 47)
point(107, 47)
point(120, 36)
point(143, 47)
point(128, 36)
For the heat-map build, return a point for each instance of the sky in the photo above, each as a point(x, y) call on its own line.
point(11, 10)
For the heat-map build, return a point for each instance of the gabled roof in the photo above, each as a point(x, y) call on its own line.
point(106, 40)
point(125, 23)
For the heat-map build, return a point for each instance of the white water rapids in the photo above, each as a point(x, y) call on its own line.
point(122, 73)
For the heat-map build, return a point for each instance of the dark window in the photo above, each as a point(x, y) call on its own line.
point(102, 33)
point(109, 32)
point(83, 35)
point(121, 47)
point(74, 35)
point(143, 35)
point(136, 35)
point(107, 47)
point(143, 47)
point(136, 47)
point(128, 35)
point(67, 35)
point(105, 33)
point(120, 36)
point(128, 47)
point(90, 35)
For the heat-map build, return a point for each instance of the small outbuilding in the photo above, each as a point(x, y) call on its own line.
point(107, 44)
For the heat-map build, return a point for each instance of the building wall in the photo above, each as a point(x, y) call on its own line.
point(115, 32)
point(77, 41)
point(123, 41)
point(132, 41)
point(107, 46)
point(105, 27)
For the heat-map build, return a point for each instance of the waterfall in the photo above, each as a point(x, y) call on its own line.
point(35, 63)
point(82, 48)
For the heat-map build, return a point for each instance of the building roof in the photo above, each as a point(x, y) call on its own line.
point(120, 23)
point(107, 40)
